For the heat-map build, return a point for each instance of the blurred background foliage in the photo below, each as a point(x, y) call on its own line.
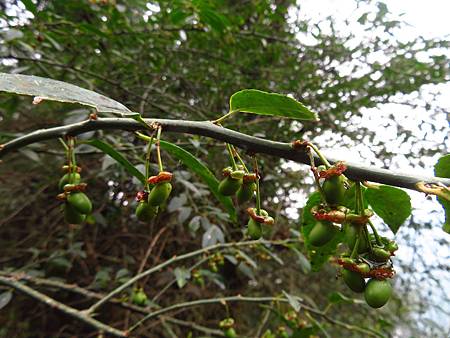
point(182, 60)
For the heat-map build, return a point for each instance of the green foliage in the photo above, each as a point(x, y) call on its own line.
point(53, 90)
point(118, 157)
point(393, 205)
point(199, 168)
point(262, 103)
point(442, 169)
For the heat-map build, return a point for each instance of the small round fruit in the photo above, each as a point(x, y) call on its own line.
point(334, 190)
point(377, 292)
point(139, 297)
point(145, 212)
point(322, 233)
point(246, 192)
point(266, 230)
point(72, 216)
point(229, 186)
point(254, 230)
point(159, 193)
point(391, 246)
point(350, 235)
point(363, 267)
point(380, 255)
point(80, 202)
point(230, 333)
point(354, 280)
point(69, 178)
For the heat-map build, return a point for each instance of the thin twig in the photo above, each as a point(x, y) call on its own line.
point(62, 307)
point(174, 259)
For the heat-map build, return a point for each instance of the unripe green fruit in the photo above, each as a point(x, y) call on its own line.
point(80, 202)
point(322, 233)
point(380, 255)
point(377, 292)
point(229, 186)
point(159, 193)
point(72, 216)
point(363, 267)
point(139, 297)
point(334, 190)
point(69, 178)
point(266, 230)
point(246, 192)
point(391, 246)
point(354, 280)
point(230, 333)
point(351, 233)
point(145, 212)
point(254, 230)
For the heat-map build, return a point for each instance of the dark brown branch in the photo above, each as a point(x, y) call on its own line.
point(251, 144)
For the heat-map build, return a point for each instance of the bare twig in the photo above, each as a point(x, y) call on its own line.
point(62, 307)
point(174, 259)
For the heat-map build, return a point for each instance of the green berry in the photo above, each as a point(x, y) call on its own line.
point(229, 186)
point(377, 292)
point(69, 178)
point(351, 234)
point(230, 333)
point(321, 233)
point(246, 192)
point(391, 246)
point(72, 216)
point(363, 267)
point(353, 280)
point(254, 230)
point(145, 212)
point(139, 297)
point(334, 190)
point(380, 255)
point(159, 193)
point(80, 202)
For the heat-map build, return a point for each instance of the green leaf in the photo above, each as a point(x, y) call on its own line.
point(30, 6)
point(53, 90)
point(198, 167)
point(5, 298)
point(442, 169)
point(317, 255)
point(393, 205)
point(108, 149)
point(446, 205)
point(293, 301)
point(182, 275)
point(304, 263)
point(262, 103)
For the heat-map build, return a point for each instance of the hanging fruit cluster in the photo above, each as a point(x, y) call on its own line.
point(369, 254)
point(227, 326)
point(77, 204)
point(237, 180)
point(157, 188)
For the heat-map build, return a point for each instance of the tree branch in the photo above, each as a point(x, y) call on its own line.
point(174, 259)
point(240, 298)
point(252, 144)
point(62, 307)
